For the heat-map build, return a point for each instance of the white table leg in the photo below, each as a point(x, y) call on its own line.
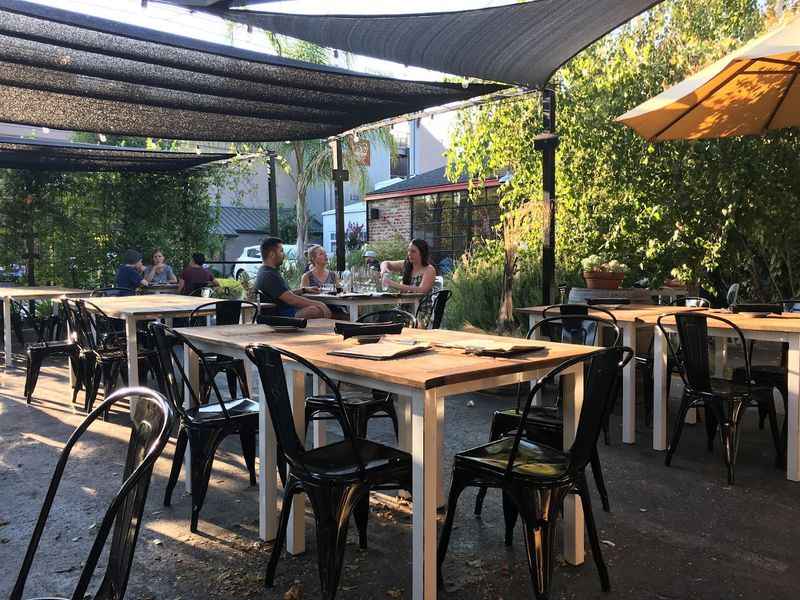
point(425, 456)
point(191, 366)
point(573, 510)
point(320, 425)
point(7, 331)
point(296, 534)
point(404, 433)
point(629, 387)
point(133, 360)
point(267, 460)
point(660, 399)
point(353, 309)
point(793, 413)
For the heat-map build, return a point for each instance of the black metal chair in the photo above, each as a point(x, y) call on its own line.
point(107, 292)
point(545, 423)
point(390, 315)
point(644, 362)
point(226, 312)
point(430, 315)
point(104, 351)
point(45, 347)
point(772, 375)
point(337, 477)
point(724, 400)
point(151, 422)
point(535, 478)
point(202, 426)
point(611, 301)
point(359, 407)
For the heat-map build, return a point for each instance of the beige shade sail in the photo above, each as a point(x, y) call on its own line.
point(748, 92)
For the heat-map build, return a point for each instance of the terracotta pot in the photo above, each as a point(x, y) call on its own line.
point(601, 280)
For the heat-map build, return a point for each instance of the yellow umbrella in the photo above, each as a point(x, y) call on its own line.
point(749, 92)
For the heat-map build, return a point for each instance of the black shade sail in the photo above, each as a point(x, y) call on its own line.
point(16, 153)
point(70, 71)
point(520, 43)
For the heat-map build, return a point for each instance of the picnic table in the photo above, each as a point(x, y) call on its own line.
point(772, 328)
point(354, 300)
point(631, 318)
point(132, 309)
point(422, 382)
point(20, 294)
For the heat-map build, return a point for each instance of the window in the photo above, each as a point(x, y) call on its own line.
point(449, 222)
point(398, 166)
point(253, 253)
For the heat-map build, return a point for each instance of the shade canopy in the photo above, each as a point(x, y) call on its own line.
point(16, 153)
point(522, 43)
point(749, 92)
point(70, 71)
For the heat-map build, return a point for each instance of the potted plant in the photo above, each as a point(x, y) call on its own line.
point(602, 275)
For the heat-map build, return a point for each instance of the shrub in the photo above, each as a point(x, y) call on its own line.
point(394, 249)
point(229, 289)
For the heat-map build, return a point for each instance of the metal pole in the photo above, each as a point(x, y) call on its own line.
point(273, 196)
point(340, 175)
point(549, 196)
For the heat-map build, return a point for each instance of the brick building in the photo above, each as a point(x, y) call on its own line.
point(431, 207)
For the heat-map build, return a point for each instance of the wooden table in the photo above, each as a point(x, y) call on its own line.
point(422, 383)
point(146, 307)
point(21, 294)
point(775, 328)
point(631, 318)
point(353, 301)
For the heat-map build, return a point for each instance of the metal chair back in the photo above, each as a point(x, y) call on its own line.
point(226, 312)
point(392, 315)
point(151, 423)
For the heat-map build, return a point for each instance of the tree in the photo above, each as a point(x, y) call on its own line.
point(705, 210)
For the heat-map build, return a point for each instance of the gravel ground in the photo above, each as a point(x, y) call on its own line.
point(676, 532)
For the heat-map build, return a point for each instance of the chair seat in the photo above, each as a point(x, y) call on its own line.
point(354, 399)
point(729, 389)
point(538, 415)
point(534, 461)
point(57, 346)
point(241, 407)
point(336, 461)
point(757, 371)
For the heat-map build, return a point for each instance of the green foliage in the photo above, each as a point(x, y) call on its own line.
point(89, 219)
point(229, 289)
point(393, 249)
point(709, 210)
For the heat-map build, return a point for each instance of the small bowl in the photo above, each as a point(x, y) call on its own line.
point(368, 339)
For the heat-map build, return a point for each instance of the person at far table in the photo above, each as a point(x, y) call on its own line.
point(129, 274)
point(318, 275)
point(159, 273)
point(273, 288)
point(196, 276)
point(419, 276)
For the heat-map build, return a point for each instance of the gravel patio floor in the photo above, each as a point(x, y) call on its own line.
point(676, 532)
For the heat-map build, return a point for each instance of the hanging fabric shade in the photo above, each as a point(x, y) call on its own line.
point(70, 71)
point(521, 43)
point(16, 153)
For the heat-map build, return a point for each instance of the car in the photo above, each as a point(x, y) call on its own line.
point(246, 265)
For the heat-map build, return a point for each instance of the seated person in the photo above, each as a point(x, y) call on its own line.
point(159, 272)
point(129, 274)
point(419, 276)
point(318, 275)
point(273, 288)
point(196, 276)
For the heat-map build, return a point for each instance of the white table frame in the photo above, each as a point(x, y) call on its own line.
point(426, 406)
point(353, 304)
point(23, 294)
point(721, 332)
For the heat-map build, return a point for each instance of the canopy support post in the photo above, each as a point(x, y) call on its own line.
point(547, 144)
point(340, 175)
point(273, 196)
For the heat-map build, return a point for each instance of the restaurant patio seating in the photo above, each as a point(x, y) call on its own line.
point(107, 292)
point(430, 314)
point(544, 424)
point(151, 422)
point(226, 312)
point(724, 400)
point(103, 356)
point(337, 478)
point(535, 478)
point(391, 315)
point(202, 426)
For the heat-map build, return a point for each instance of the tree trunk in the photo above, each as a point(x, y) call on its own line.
point(302, 228)
point(505, 318)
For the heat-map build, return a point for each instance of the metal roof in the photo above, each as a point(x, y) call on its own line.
point(425, 183)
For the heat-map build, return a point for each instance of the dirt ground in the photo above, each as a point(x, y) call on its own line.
point(677, 532)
